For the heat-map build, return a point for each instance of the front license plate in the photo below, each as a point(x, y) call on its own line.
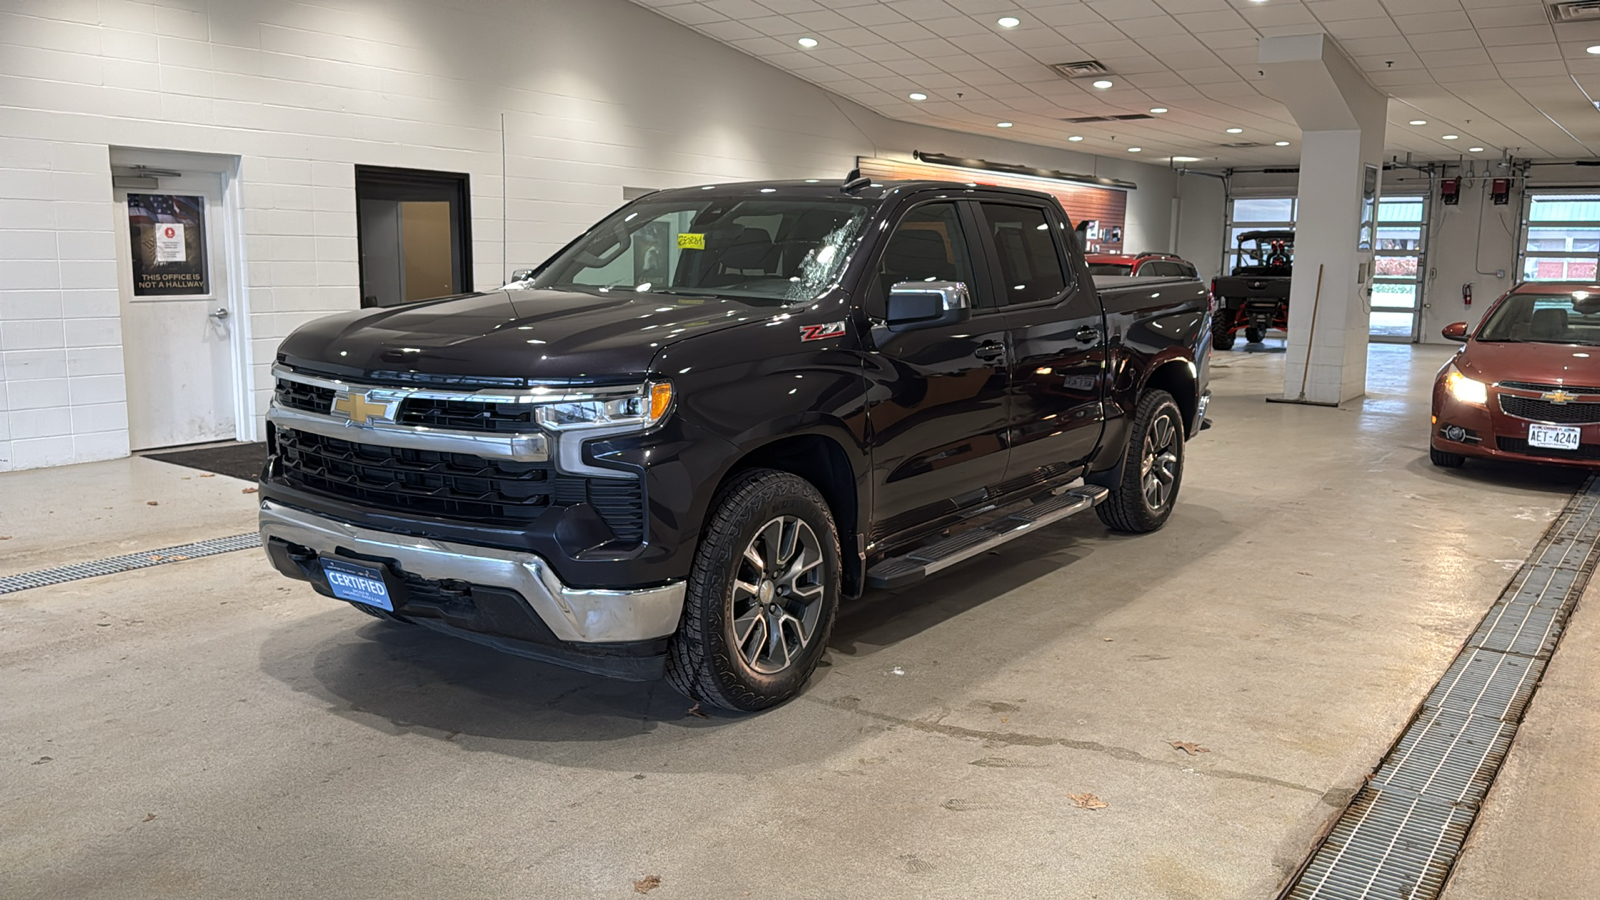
point(361, 584)
point(1553, 437)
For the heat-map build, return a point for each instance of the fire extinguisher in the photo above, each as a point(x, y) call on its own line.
point(1466, 294)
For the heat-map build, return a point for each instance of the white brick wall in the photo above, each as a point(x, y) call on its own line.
point(596, 94)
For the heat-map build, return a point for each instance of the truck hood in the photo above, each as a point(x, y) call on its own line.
point(537, 335)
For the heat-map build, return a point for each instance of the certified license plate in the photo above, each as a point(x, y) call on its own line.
point(361, 584)
point(1553, 437)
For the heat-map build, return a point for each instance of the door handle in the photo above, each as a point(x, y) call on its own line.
point(989, 351)
point(220, 313)
point(1088, 334)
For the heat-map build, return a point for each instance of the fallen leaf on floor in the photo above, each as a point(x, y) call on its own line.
point(695, 711)
point(5, 537)
point(1108, 640)
point(209, 475)
point(152, 503)
point(1087, 801)
point(1189, 747)
point(249, 490)
point(149, 817)
point(103, 624)
point(40, 761)
point(647, 884)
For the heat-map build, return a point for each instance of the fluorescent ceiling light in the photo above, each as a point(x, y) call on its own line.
point(807, 43)
point(1076, 137)
point(1595, 49)
point(1103, 83)
point(1474, 149)
point(1186, 159)
point(1280, 144)
point(1419, 121)
point(1135, 149)
point(1009, 22)
point(1452, 137)
point(918, 95)
point(1158, 110)
point(1002, 124)
point(1236, 131)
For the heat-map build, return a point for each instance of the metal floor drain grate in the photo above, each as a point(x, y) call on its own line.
point(127, 563)
point(1403, 831)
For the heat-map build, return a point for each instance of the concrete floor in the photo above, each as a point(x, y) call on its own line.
point(208, 729)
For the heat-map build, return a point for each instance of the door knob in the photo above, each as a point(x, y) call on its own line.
point(221, 313)
point(1087, 334)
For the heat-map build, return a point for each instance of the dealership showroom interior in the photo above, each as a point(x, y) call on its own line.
point(799, 449)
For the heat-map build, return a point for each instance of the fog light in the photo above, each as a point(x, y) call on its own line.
point(1455, 433)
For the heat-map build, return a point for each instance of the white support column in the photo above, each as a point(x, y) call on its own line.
point(1342, 118)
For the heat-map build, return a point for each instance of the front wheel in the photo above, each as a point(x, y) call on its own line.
point(1445, 460)
point(1152, 471)
point(762, 595)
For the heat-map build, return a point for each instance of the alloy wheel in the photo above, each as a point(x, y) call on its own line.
point(777, 595)
point(1159, 468)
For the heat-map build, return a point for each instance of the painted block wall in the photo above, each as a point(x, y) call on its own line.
point(595, 95)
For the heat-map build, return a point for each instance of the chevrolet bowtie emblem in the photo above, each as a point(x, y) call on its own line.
point(361, 409)
point(1560, 397)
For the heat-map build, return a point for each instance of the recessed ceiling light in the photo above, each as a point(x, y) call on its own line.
point(1474, 149)
point(1009, 22)
point(1103, 83)
point(1452, 137)
point(1158, 110)
point(1280, 143)
point(1002, 124)
point(1076, 137)
point(1236, 131)
point(807, 43)
point(1595, 49)
point(1186, 159)
point(918, 95)
point(1135, 149)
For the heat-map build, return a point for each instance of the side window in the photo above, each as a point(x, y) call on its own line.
point(1167, 270)
point(1189, 271)
point(1030, 267)
point(927, 245)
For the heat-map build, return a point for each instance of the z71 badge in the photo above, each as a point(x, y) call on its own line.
point(820, 332)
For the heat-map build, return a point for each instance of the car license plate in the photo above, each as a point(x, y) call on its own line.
point(1553, 437)
point(361, 584)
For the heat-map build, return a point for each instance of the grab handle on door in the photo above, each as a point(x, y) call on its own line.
point(989, 351)
point(1087, 334)
point(221, 313)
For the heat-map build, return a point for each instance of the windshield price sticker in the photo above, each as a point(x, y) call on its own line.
point(691, 242)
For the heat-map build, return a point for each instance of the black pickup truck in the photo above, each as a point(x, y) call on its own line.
point(676, 446)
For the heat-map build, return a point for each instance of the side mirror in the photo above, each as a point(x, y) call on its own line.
point(521, 274)
point(927, 304)
point(1456, 331)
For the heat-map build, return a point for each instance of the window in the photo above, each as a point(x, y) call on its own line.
point(1563, 237)
point(1110, 269)
point(720, 246)
point(928, 245)
point(1030, 266)
point(1397, 268)
point(414, 232)
point(1554, 319)
point(1248, 214)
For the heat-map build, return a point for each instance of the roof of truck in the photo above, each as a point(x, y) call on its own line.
point(817, 188)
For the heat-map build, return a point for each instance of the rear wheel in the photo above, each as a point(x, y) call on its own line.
point(1222, 330)
point(1444, 459)
point(1152, 471)
point(1254, 335)
point(762, 595)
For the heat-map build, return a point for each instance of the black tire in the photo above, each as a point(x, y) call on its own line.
point(1157, 433)
point(1254, 335)
point(705, 659)
point(1222, 335)
point(1445, 460)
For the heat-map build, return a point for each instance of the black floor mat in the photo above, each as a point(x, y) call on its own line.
point(238, 460)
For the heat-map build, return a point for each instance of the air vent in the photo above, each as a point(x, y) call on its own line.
point(1575, 11)
point(1241, 145)
point(1089, 68)
point(1131, 117)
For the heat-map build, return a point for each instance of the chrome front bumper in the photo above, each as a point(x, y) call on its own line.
point(573, 615)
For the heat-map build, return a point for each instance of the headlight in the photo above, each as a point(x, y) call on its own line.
point(639, 411)
point(1465, 389)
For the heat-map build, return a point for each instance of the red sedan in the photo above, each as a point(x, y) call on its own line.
point(1526, 386)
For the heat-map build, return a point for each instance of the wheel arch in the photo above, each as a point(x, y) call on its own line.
point(1177, 377)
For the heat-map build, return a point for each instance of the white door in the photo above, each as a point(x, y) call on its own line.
point(178, 314)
